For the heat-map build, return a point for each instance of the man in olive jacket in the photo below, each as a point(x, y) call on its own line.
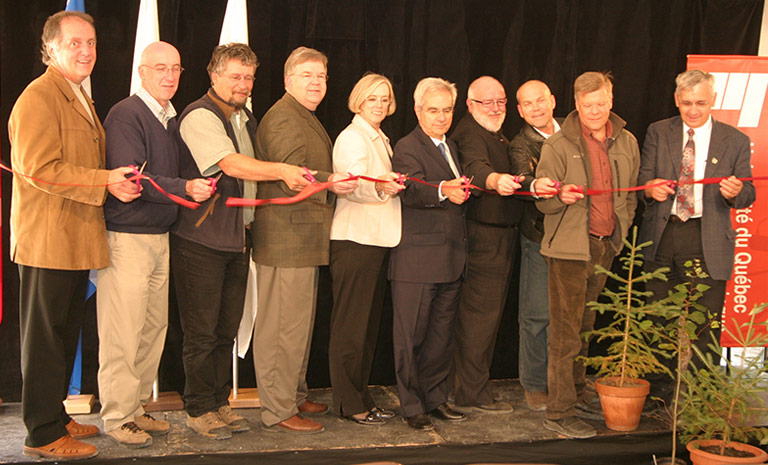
point(289, 243)
point(591, 151)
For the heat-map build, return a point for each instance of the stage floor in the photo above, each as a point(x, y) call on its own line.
point(491, 437)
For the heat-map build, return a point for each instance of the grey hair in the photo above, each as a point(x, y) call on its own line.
point(431, 84)
point(691, 78)
point(232, 51)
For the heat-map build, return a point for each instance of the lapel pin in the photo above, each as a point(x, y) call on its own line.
point(714, 161)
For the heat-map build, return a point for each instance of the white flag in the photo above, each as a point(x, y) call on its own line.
point(147, 31)
point(235, 25)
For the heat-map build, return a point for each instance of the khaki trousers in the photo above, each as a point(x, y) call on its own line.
point(282, 336)
point(132, 312)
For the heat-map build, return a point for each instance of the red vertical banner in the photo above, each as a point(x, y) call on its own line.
point(741, 83)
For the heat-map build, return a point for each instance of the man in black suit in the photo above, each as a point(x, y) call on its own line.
point(697, 230)
point(426, 268)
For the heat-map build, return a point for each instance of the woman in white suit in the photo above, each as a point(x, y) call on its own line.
point(366, 225)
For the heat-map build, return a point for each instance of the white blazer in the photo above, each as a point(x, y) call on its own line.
point(364, 216)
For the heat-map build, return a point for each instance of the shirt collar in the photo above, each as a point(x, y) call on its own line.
point(163, 114)
point(704, 128)
point(544, 134)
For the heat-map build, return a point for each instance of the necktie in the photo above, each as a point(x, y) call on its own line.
point(447, 157)
point(685, 188)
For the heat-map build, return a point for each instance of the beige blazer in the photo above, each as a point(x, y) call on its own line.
point(53, 139)
point(363, 216)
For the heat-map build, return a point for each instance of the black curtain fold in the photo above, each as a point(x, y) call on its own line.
point(643, 42)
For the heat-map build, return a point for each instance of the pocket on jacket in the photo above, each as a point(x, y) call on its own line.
point(307, 216)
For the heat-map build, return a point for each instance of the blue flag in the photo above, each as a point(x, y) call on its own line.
point(75, 5)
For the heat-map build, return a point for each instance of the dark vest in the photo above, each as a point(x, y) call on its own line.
point(223, 228)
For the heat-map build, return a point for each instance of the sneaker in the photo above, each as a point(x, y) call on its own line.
point(209, 425)
point(131, 435)
point(64, 448)
point(152, 426)
point(570, 427)
point(79, 431)
point(588, 410)
point(496, 406)
point(536, 400)
point(235, 422)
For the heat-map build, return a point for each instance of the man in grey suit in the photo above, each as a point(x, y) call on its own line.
point(426, 268)
point(290, 242)
point(692, 222)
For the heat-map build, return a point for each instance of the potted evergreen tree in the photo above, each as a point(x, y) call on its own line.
point(633, 351)
point(719, 405)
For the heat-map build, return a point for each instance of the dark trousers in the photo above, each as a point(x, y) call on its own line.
point(491, 254)
point(681, 242)
point(51, 308)
point(210, 289)
point(423, 321)
point(359, 283)
point(572, 283)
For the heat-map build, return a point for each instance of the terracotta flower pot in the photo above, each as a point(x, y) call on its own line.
point(700, 457)
point(622, 406)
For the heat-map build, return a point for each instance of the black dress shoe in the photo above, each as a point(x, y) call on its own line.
point(420, 421)
point(370, 419)
point(383, 413)
point(444, 412)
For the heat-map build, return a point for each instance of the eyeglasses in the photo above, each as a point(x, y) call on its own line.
point(312, 76)
point(163, 69)
point(374, 100)
point(240, 77)
point(489, 103)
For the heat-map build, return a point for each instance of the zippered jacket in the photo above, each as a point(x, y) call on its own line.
point(564, 158)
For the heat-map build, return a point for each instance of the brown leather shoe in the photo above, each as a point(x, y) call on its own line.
point(296, 424)
point(64, 448)
point(79, 431)
point(312, 408)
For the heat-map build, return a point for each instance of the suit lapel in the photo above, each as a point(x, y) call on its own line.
point(675, 145)
point(431, 149)
point(312, 120)
point(717, 147)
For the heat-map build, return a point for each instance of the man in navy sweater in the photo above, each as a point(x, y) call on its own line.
point(132, 302)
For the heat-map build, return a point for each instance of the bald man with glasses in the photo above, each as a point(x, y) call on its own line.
point(492, 241)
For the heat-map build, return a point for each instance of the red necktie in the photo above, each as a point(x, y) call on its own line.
point(685, 186)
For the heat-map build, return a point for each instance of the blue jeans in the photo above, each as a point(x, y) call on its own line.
point(533, 316)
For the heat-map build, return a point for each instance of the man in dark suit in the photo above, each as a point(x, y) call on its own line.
point(692, 222)
point(426, 268)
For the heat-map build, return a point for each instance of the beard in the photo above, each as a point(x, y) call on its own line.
point(488, 123)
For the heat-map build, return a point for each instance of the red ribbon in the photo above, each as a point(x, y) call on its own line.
point(466, 186)
point(135, 178)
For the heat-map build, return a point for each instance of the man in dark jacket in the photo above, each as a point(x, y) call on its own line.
point(209, 246)
point(492, 240)
point(426, 269)
point(536, 105)
point(132, 302)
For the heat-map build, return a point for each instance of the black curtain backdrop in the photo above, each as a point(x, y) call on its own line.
point(643, 42)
